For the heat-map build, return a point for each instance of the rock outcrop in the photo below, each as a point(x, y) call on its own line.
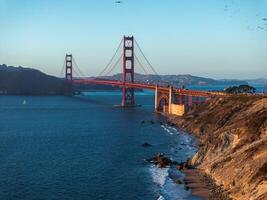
point(146, 144)
point(161, 160)
point(232, 134)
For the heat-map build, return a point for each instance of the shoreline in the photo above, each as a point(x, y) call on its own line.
point(232, 154)
point(200, 183)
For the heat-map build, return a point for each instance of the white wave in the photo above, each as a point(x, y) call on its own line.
point(159, 175)
point(161, 198)
point(172, 191)
point(186, 139)
point(174, 129)
point(167, 129)
point(189, 148)
point(168, 189)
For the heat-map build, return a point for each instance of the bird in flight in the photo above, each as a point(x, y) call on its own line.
point(118, 2)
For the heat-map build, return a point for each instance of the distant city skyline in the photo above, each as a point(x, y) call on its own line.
point(216, 39)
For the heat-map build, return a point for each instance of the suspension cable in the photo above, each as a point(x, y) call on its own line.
point(114, 65)
point(109, 63)
point(75, 73)
point(142, 66)
point(80, 71)
point(145, 58)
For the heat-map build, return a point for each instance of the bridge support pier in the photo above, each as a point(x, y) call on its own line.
point(190, 101)
point(181, 99)
point(170, 99)
point(156, 99)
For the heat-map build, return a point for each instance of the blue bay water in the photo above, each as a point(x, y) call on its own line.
point(86, 148)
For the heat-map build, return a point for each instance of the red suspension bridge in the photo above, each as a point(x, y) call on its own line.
point(167, 98)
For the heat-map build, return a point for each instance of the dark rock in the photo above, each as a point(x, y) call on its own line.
point(146, 145)
point(184, 165)
point(186, 187)
point(161, 160)
point(187, 165)
point(177, 181)
point(201, 145)
point(175, 163)
point(170, 123)
point(180, 166)
point(143, 121)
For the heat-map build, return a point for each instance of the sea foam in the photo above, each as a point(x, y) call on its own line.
point(159, 175)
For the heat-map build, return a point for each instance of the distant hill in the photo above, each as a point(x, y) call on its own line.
point(259, 81)
point(26, 81)
point(179, 80)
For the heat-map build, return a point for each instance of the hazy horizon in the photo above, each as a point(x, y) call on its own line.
point(220, 40)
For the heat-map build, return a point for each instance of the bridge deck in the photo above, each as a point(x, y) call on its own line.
point(149, 87)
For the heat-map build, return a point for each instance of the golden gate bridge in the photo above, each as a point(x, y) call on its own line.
point(167, 98)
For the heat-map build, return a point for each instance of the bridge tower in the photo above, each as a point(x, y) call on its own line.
point(128, 71)
point(68, 75)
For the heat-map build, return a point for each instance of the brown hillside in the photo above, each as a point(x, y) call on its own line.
point(233, 143)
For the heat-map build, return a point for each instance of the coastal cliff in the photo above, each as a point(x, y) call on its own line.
point(232, 134)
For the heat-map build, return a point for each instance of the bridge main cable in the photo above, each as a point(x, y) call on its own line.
point(115, 64)
point(153, 69)
point(101, 73)
point(79, 72)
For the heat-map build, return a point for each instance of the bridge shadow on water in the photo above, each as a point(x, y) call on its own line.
point(87, 99)
point(113, 98)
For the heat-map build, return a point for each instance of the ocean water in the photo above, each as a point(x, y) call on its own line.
point(86, 148)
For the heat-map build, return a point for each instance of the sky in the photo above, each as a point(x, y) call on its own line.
point(210, 38)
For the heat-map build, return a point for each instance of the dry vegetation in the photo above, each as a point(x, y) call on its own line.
point(233, 143)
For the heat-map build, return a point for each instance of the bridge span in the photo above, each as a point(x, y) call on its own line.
point(167, 98)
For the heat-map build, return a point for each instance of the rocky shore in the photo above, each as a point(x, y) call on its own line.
point(232, 155)
point(200, 183)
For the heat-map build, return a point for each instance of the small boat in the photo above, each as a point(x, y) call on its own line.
point(24, 102)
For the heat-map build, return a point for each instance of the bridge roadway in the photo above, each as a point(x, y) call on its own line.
point(178, 91)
